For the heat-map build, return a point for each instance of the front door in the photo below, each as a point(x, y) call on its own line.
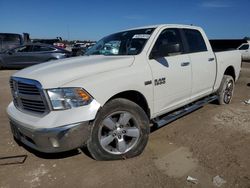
point(171, 72)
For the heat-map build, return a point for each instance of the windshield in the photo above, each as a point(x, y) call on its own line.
point(123, 43)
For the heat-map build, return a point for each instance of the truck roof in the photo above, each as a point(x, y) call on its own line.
point(166, 25)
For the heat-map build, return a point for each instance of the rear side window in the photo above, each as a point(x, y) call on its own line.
point(244, 47)
point(195, 41)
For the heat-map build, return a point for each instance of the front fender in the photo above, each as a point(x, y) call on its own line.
point(105, 85)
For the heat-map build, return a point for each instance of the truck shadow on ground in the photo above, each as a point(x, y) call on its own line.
point(84, 150)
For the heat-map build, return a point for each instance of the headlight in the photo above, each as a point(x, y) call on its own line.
point(66, 98)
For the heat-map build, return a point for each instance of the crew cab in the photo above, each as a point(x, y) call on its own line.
point(109, 99)
point(245, 51)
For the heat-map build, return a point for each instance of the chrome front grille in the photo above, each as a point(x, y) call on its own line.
point(28, 89)
point(28, 95)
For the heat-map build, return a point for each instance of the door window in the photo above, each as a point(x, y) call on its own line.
point(23, 49)
point(170, 41)
point(195, 41)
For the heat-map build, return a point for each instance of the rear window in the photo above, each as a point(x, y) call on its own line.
point(195, 41)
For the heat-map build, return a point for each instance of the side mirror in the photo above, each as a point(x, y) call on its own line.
point(166, 49)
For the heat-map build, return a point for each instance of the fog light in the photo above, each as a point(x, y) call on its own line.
point(54, 142)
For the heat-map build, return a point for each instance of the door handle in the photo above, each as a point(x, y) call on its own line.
point(211, 59)
point(183, 64)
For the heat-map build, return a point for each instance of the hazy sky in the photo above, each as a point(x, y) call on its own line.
point(79, 19)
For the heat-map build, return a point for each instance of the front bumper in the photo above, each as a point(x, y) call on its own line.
point(56, 131)
point(52, 140)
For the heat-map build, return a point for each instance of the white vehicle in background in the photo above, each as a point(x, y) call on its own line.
point(108, 99)
point(245, 51)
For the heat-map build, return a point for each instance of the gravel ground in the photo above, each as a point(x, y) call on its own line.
point(214, 140)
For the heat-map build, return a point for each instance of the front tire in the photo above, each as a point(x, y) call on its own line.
point(225, 92)
point(119, 131)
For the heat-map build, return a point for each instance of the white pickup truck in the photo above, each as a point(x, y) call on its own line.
point(129, 81)
point(245, 51)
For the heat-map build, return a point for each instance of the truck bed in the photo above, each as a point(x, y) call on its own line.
point(230, 58)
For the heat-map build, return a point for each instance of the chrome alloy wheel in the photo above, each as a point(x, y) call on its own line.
point(228, 92)
point(119, 133)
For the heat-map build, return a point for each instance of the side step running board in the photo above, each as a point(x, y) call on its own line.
point(159, 122)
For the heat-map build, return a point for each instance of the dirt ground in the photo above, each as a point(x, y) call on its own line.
point(214, 140)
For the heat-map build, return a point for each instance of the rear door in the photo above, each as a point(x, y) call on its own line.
point(42, 53)
point(171, 73)
point(203, 63)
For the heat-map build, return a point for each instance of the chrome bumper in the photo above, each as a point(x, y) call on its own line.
point(53, 140)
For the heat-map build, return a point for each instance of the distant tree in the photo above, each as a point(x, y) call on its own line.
point(246, 38)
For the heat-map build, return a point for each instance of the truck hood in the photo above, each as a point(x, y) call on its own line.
point(57, 73)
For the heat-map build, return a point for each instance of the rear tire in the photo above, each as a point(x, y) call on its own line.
point(119, 131)
point(225, 92)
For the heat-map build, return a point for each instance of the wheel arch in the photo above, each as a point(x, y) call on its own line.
point(134, 96)
point(230, 72)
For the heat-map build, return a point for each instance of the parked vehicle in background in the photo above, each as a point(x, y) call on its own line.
point(110, 48)
point(60, 45)
point(10, 40)
point(81, 48)
point(56, 42)
point(245, 51)
point(129, 80)
point(31, 54)
point(78, 49)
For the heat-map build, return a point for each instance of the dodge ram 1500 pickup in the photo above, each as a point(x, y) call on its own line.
point(129, 81)
point(245, 51)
